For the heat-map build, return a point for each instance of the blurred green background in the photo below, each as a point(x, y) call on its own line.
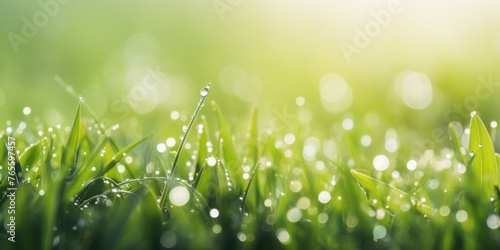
point(413, 63)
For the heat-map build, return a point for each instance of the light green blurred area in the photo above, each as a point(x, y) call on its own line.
point(264, 52)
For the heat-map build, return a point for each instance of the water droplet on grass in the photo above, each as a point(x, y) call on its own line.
point(204, 91)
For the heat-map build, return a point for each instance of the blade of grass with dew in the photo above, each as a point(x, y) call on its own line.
point(456, 144)
point(90, 111)
point(423, 181)
point(198, 175)
point(399, 200)
point(31, 155)
point(84, 171)
point(93, 156)
point(252, 158)
point(230, 157)
point(202, 151)
point(245, 193)
point(484, 168)
point(119, 156)
point(69, 151)
point(203, 93)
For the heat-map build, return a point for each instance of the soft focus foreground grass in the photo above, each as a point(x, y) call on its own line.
point(86, 186)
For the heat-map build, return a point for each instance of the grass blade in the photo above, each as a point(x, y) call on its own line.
point(398, 201)
point(119, 156)
point(70, 150)
point(228, 151)
point(204, 93)
point(484, 166)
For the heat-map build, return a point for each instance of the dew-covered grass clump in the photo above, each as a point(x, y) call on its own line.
point(216, 184)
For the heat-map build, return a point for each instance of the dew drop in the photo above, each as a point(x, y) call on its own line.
point(204, 91)
point(214, 213)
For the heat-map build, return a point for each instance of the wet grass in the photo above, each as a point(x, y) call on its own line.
point(86, 186)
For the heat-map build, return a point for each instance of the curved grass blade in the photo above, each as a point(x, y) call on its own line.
point(198, 176)
point(31, 155)
point(79, 196)
point(245, 194)
point(118, 156)
point(484, 166)
point(396, 199)
point(252, 154)
point(204, 93)
point(202, 149)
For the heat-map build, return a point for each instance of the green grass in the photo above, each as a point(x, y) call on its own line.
point(87, 186)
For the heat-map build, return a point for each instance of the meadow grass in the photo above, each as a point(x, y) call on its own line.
point(86, 186)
